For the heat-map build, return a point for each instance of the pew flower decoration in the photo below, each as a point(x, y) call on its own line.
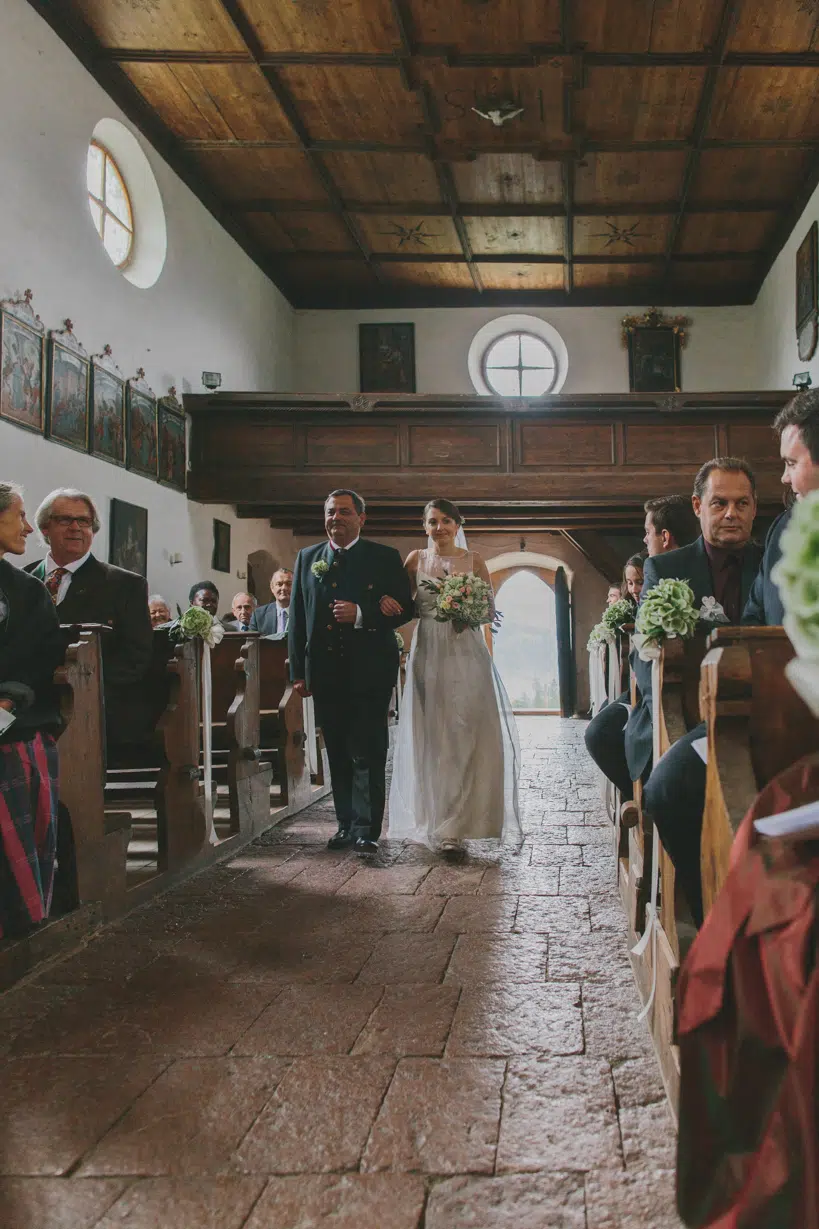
point(666, 611)
point(399, 640)
point(599, 634)
point(320, 568)
point(796, 575)
point(196, 622)
point(465, 600)
point(618, 613)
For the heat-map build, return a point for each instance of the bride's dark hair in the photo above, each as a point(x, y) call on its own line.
point(447, 507)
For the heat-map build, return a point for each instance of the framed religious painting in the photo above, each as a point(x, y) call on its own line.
point(386, 358)
point(141, 434)
point(220, 560)
point(807, 295)
point(22, 364)
point(654, 343)
point(173, 461)
point(128, 546)
point(107, 409)
point(69, 390)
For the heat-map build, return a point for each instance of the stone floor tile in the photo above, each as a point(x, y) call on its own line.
point(305, 1019)
point(278, 960)
point(455, 880)
point(610, 1022)
point(467, 914)
point(591, 834)
point(606, 913)
point(387, 880)
point(439, 1117)
point(190, 1121)
point(637, 1081)
point(553, 834)
point(55, 1109)
point(589, 956)
point(319, 1117)
point(184, 1203)
point(559, 1114)
point(631, 1201)
point(56, 1203)
point(598, 880)
point(27, 1005)
point(387, 913)
point(648, 1136)
point(343, 1201)
point(322, 876)
point(524, 880)
point(410, 1020)
point(505, 959)
point(547, 915)
point(517, 1019)
point(518, 1201)
point(409, 959)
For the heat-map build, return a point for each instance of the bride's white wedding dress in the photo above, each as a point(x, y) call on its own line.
point(457, 756)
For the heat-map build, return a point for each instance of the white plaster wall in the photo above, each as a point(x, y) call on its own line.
point(775, 313)
point(720, 354)
point(211, 309)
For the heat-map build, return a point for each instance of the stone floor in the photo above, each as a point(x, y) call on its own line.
point(296, 1039)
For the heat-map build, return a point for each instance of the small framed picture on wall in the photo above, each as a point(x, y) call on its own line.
point(220, 561)
point(128, 547)
point(386, 358)
point(22, 363)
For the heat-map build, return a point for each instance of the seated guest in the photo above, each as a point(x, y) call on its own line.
point(670, 523)
point(205, 594)
point(633, 578)
point(271, 620)
point(614, 594)
point(242, 606)
point(159, 610)
point(31, 649)
point(797, 425)
point(722, 564)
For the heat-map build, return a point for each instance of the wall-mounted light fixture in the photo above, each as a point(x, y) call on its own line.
point(176, 558)
point(802, 380)
point(211, 379)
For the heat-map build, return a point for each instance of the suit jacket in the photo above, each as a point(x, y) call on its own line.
point(764, 606)
point(265, 619)
point(328, 654)
point(31, 649)
point(232, 625)
point(688, 563)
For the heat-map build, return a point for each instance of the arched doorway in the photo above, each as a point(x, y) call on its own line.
point(525, 648)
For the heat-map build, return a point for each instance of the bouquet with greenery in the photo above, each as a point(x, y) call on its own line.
point(464, 600)
point(618, 613)
point(197, 622)
point(399, 640)
point(665, 612)
point(796, 574)
point(599, 634)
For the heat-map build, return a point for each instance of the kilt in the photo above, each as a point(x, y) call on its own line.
point(28, 831)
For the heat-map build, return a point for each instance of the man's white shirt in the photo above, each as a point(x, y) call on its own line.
point(70, 569)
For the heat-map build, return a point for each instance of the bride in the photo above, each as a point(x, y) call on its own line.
point(457, 758)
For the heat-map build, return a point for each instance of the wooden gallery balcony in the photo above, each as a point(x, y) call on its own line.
point(570, 462)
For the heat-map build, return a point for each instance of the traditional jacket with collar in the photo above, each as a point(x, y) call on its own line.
point(31, 649)
point(688, 563)
point(327, 653)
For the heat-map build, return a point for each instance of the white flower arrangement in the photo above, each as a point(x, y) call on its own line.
point(399, 640)
point(796, 575)
point(320, 568)
point(599, 634)
point(462, 599)
point(666, 612)
point(197, 622)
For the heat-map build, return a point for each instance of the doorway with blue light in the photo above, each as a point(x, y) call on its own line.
point(525, 648)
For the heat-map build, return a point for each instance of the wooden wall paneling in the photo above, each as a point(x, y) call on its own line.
point(383, 178)
point(644, 273)
point(353, 27)
point(239, 173)
point(617, 178)
point(644, 444)
point(259, 442)
point(221, 101)
point(754, 441)
point(769, 104)
point(443, 273)
point(354, 103)
point(726, 232)
point(634, 25)
point(359, 445)
point(507, 26)
point(450, 445)
point(734, 174)
point(545, 445)
point(639, 104)
point(187, 25)
point(764, 27)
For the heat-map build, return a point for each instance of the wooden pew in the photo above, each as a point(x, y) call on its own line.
point(284, 735)
point(757, 727)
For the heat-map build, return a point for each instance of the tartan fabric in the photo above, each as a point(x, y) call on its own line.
point(28, 831)
point(748, 1026)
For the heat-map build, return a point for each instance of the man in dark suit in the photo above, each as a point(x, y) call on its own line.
point(670, 523)
point(721, 564)
point(797, 425)
point(241, 616)
point(343, 651)
point(272, 619)
point(85, 590)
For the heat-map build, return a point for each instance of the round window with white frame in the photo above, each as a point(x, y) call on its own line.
point(125, 203)
point(518, 356)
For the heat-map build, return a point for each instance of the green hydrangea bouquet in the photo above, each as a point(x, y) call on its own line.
point(599, 634)
point(618, 613)
point(197, 622)
point(796, 574)
point(665, 612)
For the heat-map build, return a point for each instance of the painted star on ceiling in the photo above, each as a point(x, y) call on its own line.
point(620, 234)
point(411, 235)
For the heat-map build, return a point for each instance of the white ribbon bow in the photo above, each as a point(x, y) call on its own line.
point(712, 612)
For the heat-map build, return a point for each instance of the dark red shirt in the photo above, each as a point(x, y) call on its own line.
point(726, 572)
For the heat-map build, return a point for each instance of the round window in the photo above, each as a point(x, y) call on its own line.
point(520, 365)
point(110, 205)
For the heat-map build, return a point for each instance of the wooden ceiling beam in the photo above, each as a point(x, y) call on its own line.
point(476, 209)
point(524, 258)
point(448, 152)
point(567, 170)
point(283, 97)
point(728, 19)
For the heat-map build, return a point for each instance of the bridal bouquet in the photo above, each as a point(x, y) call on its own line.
point(665, 612)
point(466, 600)
point(618, 613)
point(197, 622)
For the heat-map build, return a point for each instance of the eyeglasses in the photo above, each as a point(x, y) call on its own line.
point(82, 522)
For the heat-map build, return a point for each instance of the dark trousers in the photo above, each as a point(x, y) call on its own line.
point(357, 741)
point(605, 744)
point(674, 798)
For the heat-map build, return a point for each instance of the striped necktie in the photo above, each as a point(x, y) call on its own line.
point(53, 582)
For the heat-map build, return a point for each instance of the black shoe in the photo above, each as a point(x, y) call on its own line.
point(364, 845)
point(343, 839)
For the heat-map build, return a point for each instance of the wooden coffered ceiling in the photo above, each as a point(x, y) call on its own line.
point(663, 153)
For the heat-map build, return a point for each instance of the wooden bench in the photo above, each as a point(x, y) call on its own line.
point(757, 727)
